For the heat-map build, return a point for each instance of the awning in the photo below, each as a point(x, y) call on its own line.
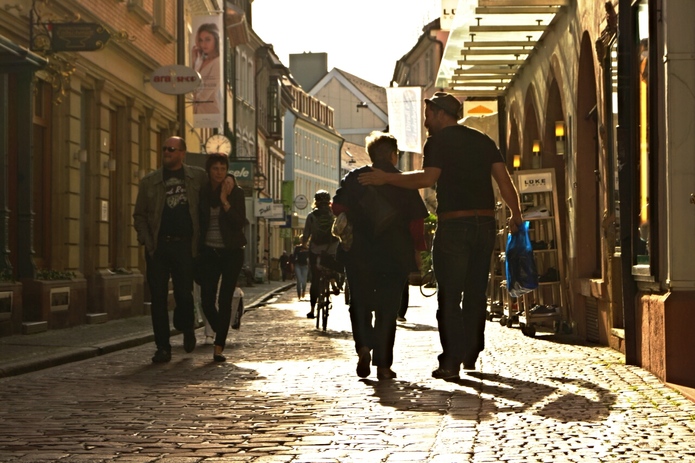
point(14, 58)
point(489, 42)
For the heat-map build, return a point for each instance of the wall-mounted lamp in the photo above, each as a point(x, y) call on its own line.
point(536, 160)
point(362, 104)
point(560, 138)
point(110, 165)
point(517, 162)
point(80, 155)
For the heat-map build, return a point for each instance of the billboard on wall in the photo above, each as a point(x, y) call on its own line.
point(405, 117)
point(207, 59)
point(243, 173)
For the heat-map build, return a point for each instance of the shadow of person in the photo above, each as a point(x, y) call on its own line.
point(484, 394)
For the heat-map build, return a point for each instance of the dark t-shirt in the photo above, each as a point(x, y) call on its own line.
point(465, 157)
point(300, 255)
point(176, 217)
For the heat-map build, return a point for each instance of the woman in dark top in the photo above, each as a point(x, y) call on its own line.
point(222, 241)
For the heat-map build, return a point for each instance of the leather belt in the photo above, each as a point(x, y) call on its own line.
point(466, 213)
point(173, 238)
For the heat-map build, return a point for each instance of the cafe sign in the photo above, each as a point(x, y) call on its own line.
point(175, 79)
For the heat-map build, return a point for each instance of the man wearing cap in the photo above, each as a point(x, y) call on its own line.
point(462, 162)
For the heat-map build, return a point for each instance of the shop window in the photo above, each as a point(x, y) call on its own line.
point(645, 243)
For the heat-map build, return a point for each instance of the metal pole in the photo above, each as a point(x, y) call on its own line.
point(181, 59)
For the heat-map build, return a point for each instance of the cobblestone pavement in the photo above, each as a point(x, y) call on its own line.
point(289, 393)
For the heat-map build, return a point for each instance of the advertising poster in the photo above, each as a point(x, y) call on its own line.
point(206, 58)
point(405, 117)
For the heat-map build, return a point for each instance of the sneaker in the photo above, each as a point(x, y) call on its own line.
point(161, 356)
point(208, 340)
point(310, 314)
point(400, 319)
point(383, 373)
point(443, 373)
point(189, 340)
point(365, 359)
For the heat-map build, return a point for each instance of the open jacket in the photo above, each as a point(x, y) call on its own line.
point(149, 205)
point(232, 222)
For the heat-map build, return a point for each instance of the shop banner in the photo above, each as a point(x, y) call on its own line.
point(405, 117)
point(206, 58)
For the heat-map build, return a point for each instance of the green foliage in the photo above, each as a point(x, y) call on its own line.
point(54, 275)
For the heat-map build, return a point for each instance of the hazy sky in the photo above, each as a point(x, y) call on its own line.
point(362, 37)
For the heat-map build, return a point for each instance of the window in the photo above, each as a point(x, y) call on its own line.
point(644, 246)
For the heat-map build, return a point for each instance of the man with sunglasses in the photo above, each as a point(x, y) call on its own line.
point(167, 224)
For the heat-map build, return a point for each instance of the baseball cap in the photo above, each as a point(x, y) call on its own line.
point(447, 102)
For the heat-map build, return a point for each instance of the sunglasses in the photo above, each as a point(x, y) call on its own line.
point(170, 149)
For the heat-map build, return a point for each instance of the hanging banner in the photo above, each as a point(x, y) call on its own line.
point(206, 59)
point(405, 117)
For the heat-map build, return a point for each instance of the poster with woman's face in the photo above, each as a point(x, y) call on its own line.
point(206, 57)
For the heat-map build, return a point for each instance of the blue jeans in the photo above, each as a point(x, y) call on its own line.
point(461, 255)
point(302, 272)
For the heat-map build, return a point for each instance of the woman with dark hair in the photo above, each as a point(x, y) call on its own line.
point(222, 241)
point(205, 58)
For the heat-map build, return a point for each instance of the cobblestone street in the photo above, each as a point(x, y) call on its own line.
point(289, 393)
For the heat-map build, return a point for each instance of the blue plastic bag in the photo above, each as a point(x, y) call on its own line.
point(522, 275)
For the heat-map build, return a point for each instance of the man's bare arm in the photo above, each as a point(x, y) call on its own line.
point(509, 194)
point(413, 180)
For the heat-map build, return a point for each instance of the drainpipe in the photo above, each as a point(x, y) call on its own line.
point(181, 59)
point(627, 136)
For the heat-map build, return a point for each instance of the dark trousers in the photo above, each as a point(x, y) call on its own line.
point(405, 300)
point(172, 259)
point(213, 264)
point(374, 302)
point(461, 257)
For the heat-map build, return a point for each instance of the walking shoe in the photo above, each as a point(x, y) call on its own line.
point(208, 340)
point(443, 373)
point(161, 356)
point(400, 319)
point(217, 354)
point(365, 359)
point(383, 373)
point(310, 314)
point(469, 366)
point(189, 340)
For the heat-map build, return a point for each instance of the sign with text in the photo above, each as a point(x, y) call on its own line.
point(175, 79)
point(269, 210)
point(243, 173)
point(535, 183)
point(78, 36)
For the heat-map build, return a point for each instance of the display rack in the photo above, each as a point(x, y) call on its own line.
point(495, 286)
point(545, 307)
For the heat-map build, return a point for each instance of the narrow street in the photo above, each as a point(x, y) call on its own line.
point(289, 393)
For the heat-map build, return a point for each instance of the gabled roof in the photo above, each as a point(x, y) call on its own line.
point(372, 94)
point(353, 156)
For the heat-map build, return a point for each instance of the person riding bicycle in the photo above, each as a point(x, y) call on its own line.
point(317, 233)
point(388, 233)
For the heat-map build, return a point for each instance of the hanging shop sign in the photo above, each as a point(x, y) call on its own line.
point(175, 79)
point(78, 36)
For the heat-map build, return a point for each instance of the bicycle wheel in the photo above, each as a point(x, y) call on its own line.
point(428, 285)
point(326, 310)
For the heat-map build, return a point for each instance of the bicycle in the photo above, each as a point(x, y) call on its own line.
point(428, 284)
point(328, 285)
